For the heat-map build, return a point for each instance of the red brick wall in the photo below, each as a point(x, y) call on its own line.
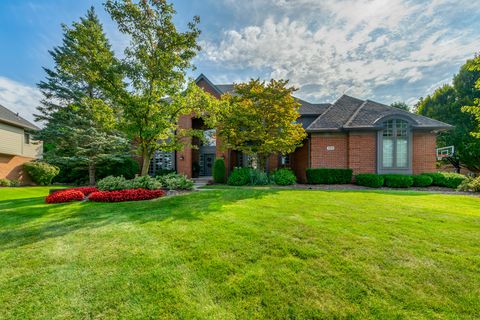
point(299, 161)
point(184, 165)
point(424, 154)
point(362, 152)
point(323, 158)
point(11, 167)
point(206, 87)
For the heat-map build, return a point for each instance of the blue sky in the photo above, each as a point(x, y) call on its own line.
point(384, 50)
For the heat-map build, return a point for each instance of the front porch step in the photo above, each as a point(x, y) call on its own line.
point(201, 181)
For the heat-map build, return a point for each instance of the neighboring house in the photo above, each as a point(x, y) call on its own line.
point(366, 136)
point(16, 145)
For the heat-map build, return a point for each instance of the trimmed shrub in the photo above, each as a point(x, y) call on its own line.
point(112, 183)
point(15, 183)
point(398, 181)
point(145, 182)
point(239, 177)
point(446, 179)
point(174, 181)
point(125, 195)
point(369, 180)
point(5, 183)
point(41, 173)
point(163, 172)
point(422, 180)
point(258, 177)
point(328, 176)
point(284, 177)
point(65, 196)
point(219, 171)
point(470, 184)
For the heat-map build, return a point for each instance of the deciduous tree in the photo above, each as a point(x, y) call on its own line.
point(156, 62)
point(260, 119)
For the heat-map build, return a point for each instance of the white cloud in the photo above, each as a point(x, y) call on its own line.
point(329, 47)
point(19, 97)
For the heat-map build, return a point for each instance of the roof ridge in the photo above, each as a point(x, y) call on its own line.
point(328, 109)
point(355, 114)
point(210, 83)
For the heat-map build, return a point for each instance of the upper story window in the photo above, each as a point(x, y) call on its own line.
point(26, 138)
point(210, 138)
point(395, 145)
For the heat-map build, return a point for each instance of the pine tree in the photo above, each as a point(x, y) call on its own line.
point(80, 120)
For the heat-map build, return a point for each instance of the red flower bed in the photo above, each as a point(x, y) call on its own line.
point(125, 195)
point(65, 196)
point(85, 190)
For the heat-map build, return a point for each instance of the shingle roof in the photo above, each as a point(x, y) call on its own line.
point(371, 112)
point(337, 114)
point(347, 113)
point(14, 119)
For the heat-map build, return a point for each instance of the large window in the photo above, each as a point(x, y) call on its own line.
point(395, 140)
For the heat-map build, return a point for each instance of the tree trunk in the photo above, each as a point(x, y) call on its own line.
point(262, 162)
point(91, 173)
point(145, 164)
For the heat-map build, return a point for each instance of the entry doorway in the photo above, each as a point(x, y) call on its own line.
point(206, 164)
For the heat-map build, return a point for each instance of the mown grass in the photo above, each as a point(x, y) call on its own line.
point(241, 253)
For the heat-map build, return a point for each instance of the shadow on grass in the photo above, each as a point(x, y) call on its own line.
point(27, 221)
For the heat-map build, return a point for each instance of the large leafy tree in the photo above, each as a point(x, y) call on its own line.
point(259, 119)
point(445, 104)
point(77, 110)
point(474, 108)
point(156, 62)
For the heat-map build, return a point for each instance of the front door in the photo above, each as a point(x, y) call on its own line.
point(208, 159)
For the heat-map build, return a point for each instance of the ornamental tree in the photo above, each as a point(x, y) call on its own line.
point(259, 119)
point(155, 65)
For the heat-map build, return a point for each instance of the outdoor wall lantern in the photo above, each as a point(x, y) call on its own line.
point(182, 157)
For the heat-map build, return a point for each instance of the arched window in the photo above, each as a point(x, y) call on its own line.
point(394, 144)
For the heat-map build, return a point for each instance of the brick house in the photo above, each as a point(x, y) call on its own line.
point(366, 136)
point(16, 145)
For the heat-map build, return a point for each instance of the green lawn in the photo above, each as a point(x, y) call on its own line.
point(241, 253)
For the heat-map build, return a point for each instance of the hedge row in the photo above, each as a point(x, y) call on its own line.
point(254, 177)
point(441, 179)
point(328, 176)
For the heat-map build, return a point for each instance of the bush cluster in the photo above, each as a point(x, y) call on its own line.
point(369, 180)
point(422, 180)
point(255, 177)
point(174, 181)
point(398, 180)
point(125, 195)
point(41, 173)
point(65, 196)
point(171, 181)
point(447, 179)
point(442, 179)
point(284, 177)
point(328, 176)
point(219, 171)
point(9, 183)
point(470, 184)
point(239, 177)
